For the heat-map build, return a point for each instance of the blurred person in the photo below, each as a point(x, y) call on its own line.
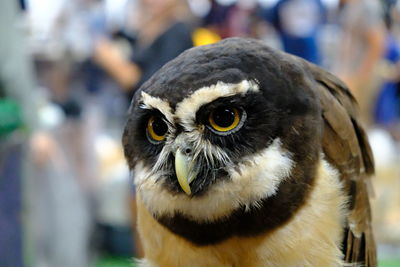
point(63, 172)
point(57, 191)
point(217, 17)
point(387, 103)
point(298, 23)
point(239, 18)
point(360, 49)
point(395, 15)
point(17, 118)
point(24, 145)
point(163, 32)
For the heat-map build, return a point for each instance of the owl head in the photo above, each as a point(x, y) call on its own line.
point(222, 131)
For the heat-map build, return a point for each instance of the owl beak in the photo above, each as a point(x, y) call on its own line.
point(183, 169)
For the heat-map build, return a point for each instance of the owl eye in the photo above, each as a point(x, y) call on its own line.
point(225, 120)
point(156, 129)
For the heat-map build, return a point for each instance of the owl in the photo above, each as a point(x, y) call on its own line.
point(247, 156)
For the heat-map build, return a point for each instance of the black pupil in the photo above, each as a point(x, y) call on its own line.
point(224, 117)
point(159, 127)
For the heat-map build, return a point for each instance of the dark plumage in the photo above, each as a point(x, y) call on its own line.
point(287, 106)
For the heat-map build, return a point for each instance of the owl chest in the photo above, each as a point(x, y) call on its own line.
point(311, 238)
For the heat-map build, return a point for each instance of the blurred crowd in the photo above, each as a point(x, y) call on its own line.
point(68, 69)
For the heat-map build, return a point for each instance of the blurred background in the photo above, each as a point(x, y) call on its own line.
point(68, 69)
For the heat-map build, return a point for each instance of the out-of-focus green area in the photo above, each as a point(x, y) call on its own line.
point(114, 262)
point(389, 263)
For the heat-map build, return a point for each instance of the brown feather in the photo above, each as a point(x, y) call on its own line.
point(346, 147)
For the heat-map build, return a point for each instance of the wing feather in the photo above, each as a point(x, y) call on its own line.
point(346, 147)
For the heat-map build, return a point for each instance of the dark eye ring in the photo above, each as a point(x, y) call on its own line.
point(226, 120)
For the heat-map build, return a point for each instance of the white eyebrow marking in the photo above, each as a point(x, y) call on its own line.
point(186, 110)
point(151, 102)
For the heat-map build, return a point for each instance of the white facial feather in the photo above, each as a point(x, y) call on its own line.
point(201, 147)
point(256, 178)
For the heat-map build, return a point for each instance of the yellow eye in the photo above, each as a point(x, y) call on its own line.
point(156, 129)
point(224, 119)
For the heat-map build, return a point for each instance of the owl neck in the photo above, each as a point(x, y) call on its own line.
point(267, 215)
